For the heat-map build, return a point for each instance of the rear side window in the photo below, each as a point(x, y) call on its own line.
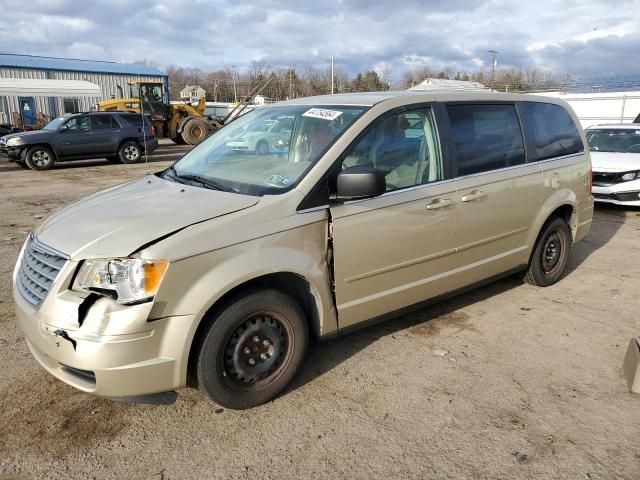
point(133, 119)
point(554, 133)
point(100, 122)
point(486, 137)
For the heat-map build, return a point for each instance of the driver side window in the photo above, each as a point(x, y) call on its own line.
point(403, 146)
point(78, 124)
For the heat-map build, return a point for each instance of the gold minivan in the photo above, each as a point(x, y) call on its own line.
point(217, 271)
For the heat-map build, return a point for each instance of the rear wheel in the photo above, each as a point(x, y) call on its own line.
point(195, 131)
point(40, 158)
point(252, 350)
point(550, 254)
point(130, 152)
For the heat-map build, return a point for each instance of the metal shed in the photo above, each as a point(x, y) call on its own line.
point(112, 79)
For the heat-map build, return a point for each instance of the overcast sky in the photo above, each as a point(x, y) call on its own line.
point(584, 38)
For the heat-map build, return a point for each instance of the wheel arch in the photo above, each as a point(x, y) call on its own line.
point(26, 149)
point(128, 139)
point(563, 204)
point(289, 283)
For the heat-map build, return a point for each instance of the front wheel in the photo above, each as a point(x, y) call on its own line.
point(129, 152)
point(252, 350)
point(262, 148)
point(40, 158)
point(550, 254)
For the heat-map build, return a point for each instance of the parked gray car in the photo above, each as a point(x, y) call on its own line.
point(116, 136)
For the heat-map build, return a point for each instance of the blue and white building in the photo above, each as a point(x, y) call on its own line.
point(32, 86)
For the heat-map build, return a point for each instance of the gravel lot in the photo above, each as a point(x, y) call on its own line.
point(507, 381)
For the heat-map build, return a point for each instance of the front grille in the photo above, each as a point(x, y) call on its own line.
point(39, 268)
point(621, 197)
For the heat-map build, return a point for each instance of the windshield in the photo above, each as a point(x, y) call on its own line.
point(150, 92)
point(267, 150)
point(54, 124)
point(620, 140)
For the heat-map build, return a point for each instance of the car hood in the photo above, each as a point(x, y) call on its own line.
point(614, 162)
point(118, 221)
point(33, 135)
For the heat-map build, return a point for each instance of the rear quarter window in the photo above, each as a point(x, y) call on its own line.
point(553, 130)
point(133, 119)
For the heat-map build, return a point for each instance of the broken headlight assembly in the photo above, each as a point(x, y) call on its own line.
point(125, 280)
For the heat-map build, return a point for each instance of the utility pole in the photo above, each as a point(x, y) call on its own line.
point(290, 91)
point(493, 68)
point(331, 74)
point(235, 93)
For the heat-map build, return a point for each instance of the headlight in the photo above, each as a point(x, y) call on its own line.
point(12, 142)
point(631, 176)
point(126, 280)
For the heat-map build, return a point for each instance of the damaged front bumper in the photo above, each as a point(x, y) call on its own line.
point(103, 348)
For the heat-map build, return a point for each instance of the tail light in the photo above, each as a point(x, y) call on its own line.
point(152, 132)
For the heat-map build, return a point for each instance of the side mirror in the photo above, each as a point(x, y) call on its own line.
point(357, 183)
point(63, 128)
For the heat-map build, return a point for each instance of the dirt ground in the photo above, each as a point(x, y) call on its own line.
point(507, 381)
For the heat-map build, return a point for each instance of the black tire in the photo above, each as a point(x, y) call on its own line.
point(40, 158)
point(178, 140)
point(195, 130)
point(113, 159)
point(262, 148)
point(265, 327)
point(130, 152)
point(22, 165)
point(550, 254)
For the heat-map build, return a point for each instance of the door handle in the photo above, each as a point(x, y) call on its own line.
point(474, 195)
point(439, 203)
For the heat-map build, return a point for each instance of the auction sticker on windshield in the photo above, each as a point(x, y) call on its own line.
point(322, 113)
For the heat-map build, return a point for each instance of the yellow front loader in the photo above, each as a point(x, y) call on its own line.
point(183, 123)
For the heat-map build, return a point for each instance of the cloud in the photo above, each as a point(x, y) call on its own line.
point(576, 37)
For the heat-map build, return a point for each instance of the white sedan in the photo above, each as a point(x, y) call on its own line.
point(615, 159)
point(270, 136)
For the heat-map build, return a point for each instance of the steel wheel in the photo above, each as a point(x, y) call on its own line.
point(257, 351)
point(251, 348)
point(550, 254)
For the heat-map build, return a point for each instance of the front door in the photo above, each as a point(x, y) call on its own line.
point(498, 193)
point(77, 139)
point(27, 111)
point(397, 249)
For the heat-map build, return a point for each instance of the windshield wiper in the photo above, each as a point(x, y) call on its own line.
point(173, 176)
point(204, 181)
point(207, 182)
